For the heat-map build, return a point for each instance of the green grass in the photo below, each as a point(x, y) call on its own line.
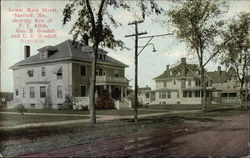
point(122, 112)
point(18, 119)
point(71, 134)
point(180, 107)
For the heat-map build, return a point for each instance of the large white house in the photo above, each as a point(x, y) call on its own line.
point(178, 85)
point(65, 70)
point(181, 85)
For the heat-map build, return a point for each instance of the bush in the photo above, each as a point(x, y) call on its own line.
point(21, 108)
point(104, 101)
point(67, 105)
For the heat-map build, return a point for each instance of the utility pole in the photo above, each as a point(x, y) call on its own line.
point(136, 65)
point(136, 35)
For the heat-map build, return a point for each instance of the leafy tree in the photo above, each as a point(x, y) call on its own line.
point(197, 23)
point(91, 25)
point(236, 52)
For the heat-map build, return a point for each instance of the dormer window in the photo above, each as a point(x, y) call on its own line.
point(44, 55)
point(101, 56)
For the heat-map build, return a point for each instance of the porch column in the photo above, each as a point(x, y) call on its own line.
point(121, 93)
point(109, 89)
point(125, 91)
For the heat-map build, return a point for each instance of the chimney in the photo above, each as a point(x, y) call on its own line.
point(86, 39)
point(167, 67)
point(219, 69)
point(26, 51)
point(183, 60)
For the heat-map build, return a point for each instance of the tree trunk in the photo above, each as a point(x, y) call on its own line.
point(203, 89)
point(241, 96)
point(93, 88)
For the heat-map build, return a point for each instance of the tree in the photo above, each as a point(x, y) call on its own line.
point(197, 24)
point(91, 24)
point(236, 51)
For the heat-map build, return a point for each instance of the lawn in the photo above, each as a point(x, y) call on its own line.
point(122, 112)
point(180, 107)
point(17, 119)
point(45, 138)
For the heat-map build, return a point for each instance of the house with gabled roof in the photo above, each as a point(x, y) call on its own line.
point(226, 84)
point(55, 72)
point(178, 85)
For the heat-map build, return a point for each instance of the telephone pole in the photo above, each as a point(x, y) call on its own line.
point(136, 65)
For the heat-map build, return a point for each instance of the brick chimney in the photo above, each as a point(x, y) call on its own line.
point(86, 39)
point(183, 60)
point(219, 69)
point(167, 67)
point(26, 51)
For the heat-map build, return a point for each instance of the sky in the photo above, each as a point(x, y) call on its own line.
point(151, 64)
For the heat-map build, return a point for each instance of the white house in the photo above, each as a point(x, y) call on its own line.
point(178, 85)
point(46, 78)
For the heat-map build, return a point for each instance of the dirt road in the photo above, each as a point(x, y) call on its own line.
point(228, 136)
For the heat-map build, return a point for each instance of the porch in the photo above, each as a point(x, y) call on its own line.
point(117, 92)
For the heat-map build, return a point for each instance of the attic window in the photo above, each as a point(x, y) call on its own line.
point(102, 56)
point(44, 54)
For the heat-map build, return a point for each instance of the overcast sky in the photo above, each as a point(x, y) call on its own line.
point(169, 50)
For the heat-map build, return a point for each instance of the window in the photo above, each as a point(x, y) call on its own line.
point(17, 92)
point(178, 94)
point(23, 92)
point(104, 57)
point(83, 91)
point(82, 70)
point(147, 94)
point(163, 95)
point(197, 82)
point(30, 73)
point(43, 54)
point(100, 56)
point(165, 83)
point(197, 94)
point(59, 73)
point(189, 82)
point(59, 76)
point(174, 82)
point(32, 105)
point(43, 71)
point(185, 94)
point(169, 95)
point(59, 91)
point(32, 92)
point(190, 94)
point(42, 92)
point(117, 75)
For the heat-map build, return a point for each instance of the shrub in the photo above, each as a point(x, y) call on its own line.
point(104, 101)
point(67, 105)
point(21, 108)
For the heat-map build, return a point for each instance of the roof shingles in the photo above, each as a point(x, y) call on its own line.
point(66, 50)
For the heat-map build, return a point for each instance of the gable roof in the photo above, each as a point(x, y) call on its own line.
point(181, 70)
point(222, 76)
point(218, 76)
point(67, 51)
